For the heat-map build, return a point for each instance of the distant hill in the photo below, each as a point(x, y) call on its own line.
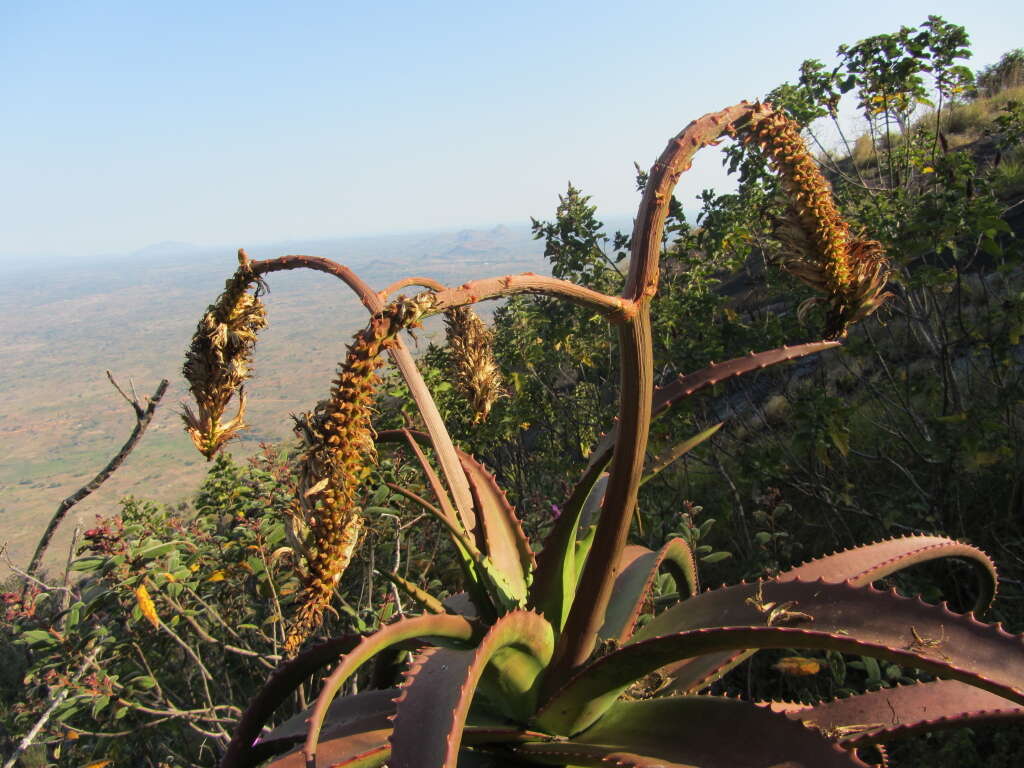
point(66, 323)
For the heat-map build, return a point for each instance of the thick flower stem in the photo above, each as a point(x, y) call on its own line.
point(637, 383)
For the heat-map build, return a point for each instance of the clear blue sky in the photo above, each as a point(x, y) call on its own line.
point(128, 123)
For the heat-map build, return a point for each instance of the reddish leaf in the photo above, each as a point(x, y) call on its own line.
point(797, 614)
point(689, 384)
point(288, 677)
point(880, 716)
point(863, 565)
point(637, 569)
point(859, 565)
point(451, 627)
point(440, 686)
point(687, 731)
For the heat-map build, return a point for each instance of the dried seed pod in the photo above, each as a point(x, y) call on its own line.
point(476, 376)
point(338, 451)
point(218, 361)
point(820, 249)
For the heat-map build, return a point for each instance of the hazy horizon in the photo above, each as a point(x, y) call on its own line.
point(241, 123)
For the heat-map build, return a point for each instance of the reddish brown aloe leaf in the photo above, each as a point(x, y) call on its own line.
point(363, 749)
point(504, 539)
point(447, 626)
point(880, 716)
point(363, 711)
point(285, 680)
point(637, 568)
point(689, 384)
point(693, 731)
point(440, 686)
point(859, 565)
point(863, 565)
point(797, 614)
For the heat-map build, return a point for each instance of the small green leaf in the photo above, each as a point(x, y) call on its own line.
point(716, 557)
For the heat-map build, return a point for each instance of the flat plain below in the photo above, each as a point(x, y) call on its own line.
point(65, 325)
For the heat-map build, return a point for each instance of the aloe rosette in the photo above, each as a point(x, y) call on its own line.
point(542, 662)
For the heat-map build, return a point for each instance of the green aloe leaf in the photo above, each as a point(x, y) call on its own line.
point(424, 599)
point(559, 564)
point(666, 458)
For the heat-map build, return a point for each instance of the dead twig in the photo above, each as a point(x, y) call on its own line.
point(143, 416)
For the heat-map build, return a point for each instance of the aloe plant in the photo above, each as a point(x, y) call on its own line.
point(541, 661)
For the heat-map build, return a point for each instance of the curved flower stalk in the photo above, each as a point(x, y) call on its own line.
point(218, 361)
point(541, 660)
point(821, 250)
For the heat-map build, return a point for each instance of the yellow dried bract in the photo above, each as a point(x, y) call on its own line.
point(820, 249)
point(477, 376)
point(338, 451)
point(146, 605)
point(218, 361)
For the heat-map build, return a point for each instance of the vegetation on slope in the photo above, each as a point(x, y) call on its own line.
point(913, 427)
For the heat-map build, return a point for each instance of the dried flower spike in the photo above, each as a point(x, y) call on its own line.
point(821, 251)
point(218, 361)
point(477, 376)
point(337, 439)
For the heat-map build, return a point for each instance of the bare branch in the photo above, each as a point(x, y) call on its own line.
point(142, 420)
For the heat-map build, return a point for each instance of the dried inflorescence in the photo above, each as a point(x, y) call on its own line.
point(218, 362)
point(477, 376)
point(339, 452)
point(821, 251)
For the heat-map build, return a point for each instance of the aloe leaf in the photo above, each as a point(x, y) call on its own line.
point(687, 731)
point(372, 749)
point(863, 565)
point(677, 451)
point(689, 384)
point(363, 711)
point(443, 499)
point(471, 560)
point(446, 626)
point(859, 565)
point(285, 680)
point(365, 749)
point(840, 617)
point(554, 580)
point(908, 710)
point(637, 569)
point(424, 599)
point(504, 540)
point(440, 686)
point(491, 525)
